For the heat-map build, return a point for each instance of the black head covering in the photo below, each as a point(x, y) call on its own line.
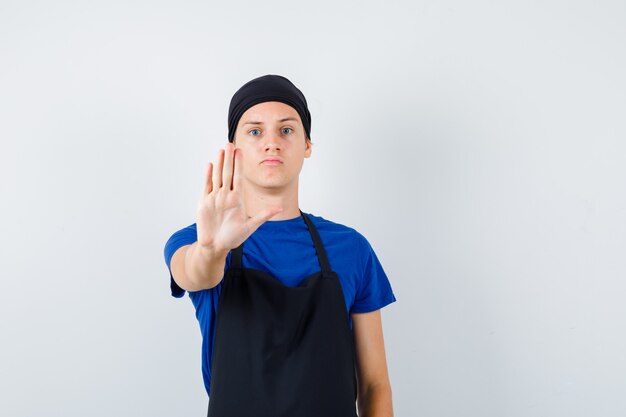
point(267, 88)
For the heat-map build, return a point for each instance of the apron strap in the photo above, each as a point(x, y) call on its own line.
point(319, 247)
point(237, 253)
point(235, 257)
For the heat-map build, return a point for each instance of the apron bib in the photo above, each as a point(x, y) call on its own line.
point(282, 351)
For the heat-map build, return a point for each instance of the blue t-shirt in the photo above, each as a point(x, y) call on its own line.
point(285, 250)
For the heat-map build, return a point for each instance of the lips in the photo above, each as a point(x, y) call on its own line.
point(272, 161)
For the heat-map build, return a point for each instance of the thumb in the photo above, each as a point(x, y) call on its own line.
point(263, 216)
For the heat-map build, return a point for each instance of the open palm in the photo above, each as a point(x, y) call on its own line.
point(222, 221)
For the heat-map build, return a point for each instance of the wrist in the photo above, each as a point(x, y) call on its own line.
point(211, 251)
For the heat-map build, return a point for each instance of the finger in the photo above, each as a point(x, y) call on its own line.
point(208, 186)
point(238, 172)
point(217, 171)
point(263, 216)
point(227, 173)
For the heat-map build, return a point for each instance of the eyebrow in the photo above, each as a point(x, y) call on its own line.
point(280, 121)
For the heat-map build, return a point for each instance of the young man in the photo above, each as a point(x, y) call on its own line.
point(288, 303)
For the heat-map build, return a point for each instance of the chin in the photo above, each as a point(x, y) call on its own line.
point(273, 183)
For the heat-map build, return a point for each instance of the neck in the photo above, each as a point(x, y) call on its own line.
point(256, 199)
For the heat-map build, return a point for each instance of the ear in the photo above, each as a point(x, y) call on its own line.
point(308, 147)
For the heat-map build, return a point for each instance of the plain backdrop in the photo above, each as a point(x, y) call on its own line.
point(479, 147)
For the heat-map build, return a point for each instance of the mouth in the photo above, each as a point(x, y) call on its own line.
point(272, 161)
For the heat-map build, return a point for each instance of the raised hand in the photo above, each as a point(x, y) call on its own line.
point(222, 222)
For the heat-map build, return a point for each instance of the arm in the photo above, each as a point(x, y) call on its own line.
point(374, 389)
point(196, 268)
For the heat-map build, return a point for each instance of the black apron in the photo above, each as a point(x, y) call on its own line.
point(282, 351)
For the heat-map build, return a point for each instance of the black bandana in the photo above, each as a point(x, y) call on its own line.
point(267, 88)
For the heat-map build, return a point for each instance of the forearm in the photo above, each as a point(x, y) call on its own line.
point(375, 401)
point(204, 267)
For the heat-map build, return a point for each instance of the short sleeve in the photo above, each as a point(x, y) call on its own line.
point(183, 237)
point(373, 289)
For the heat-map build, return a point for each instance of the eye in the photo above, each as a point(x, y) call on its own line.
point(255, 132)
point(286, 130)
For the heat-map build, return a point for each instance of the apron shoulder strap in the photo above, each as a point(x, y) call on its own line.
point(235, 257)
point(317, 241)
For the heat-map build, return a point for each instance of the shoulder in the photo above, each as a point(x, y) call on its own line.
point(329, 225)
point(182, 237)
point(332, 230)
point(186, 234)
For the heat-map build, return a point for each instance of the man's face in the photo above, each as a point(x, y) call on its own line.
point(272, 138)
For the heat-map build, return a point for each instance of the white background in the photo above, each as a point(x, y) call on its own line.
point(479, 146)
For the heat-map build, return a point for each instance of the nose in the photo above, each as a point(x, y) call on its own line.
point(272, 142)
